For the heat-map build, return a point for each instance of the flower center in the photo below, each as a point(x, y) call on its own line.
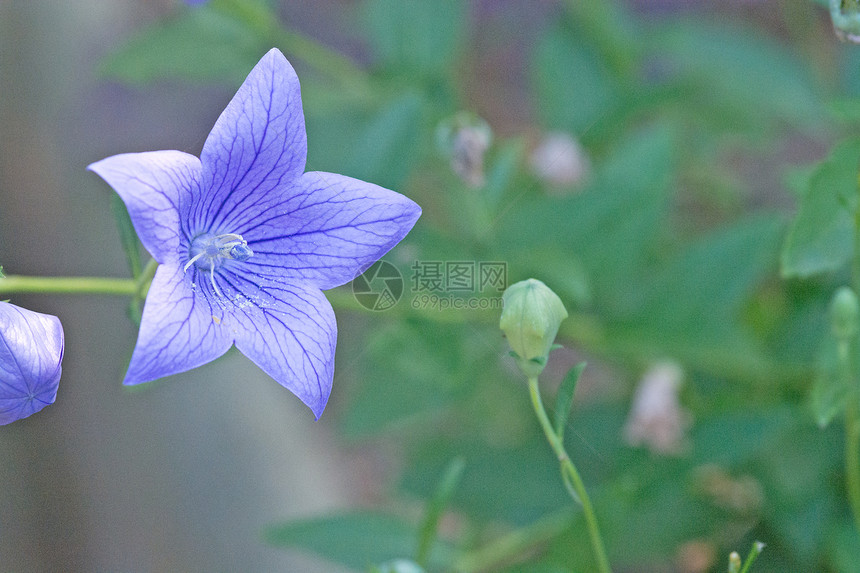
point(209, 251)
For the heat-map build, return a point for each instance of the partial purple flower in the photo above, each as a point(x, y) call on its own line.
point(31, 353)
point(247, 241)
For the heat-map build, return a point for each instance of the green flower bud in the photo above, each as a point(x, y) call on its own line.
point(844, 313)
point(530, 319)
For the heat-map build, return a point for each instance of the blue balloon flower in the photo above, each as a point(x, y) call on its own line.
point(247, 241)
point(31, 353)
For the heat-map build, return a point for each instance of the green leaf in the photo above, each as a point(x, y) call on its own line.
point(610, 27)
point(749, 432)
point(830, 389)
point(127, 235)
point(131, 246)
point(739, 73)
point(844, 545)
point(708, 281)
point(596, 226)
point(564, 398)
point(574, 86)
point(358, 540)
point(821, 236)
point(386, 151)
point(201, 44)
point(430, 523)
point(415, 35)
point(691, 308)
point(520, 483)
point(380, 145)
point(556, 266)
point(502, 169)
point(410, 372)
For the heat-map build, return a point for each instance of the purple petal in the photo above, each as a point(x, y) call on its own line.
point(307, 232)
point(257, 144)
point(327, 229)
point(291, 336)
point(31, 353)
point(180, 329)
point(157, 188)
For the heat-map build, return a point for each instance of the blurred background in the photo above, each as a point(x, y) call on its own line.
point(642, 158)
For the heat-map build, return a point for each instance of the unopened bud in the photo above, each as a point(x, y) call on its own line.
point(398, 566)
point(656, 417)
point(845, 15)
point(530, 319)
point(560, 161)
point(844, 313)
point(734, 562)
point(464, 139)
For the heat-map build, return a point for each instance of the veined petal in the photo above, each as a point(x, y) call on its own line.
point(31, 353)
point(157, 187)
point(180, 329)
point(326, 229)
point(246, 241)
point(257, 144)
point(291, 336)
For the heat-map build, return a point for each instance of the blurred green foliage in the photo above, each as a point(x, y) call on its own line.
point(669, 250)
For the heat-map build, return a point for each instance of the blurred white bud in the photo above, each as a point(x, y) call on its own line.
point(465, 139)
point(656, 418)
point(734, 562)
point(398, 566)
point(741, 495)
point(696, 556)
point(844, 314)
point(560, 161)
point(845, 15)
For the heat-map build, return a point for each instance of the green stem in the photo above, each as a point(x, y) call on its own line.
point(145, 278)
point(79, 285)
point(582, 328)
point(852, 456)
point(852, 414)
point(508, 548)
point(430, 524)
point(753, 555)
point(571, 476)
point(68, 285)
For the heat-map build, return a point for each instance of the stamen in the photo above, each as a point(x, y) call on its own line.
point(234, 249)
point(212, 278)
point(241, 252)
point(209, 251)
